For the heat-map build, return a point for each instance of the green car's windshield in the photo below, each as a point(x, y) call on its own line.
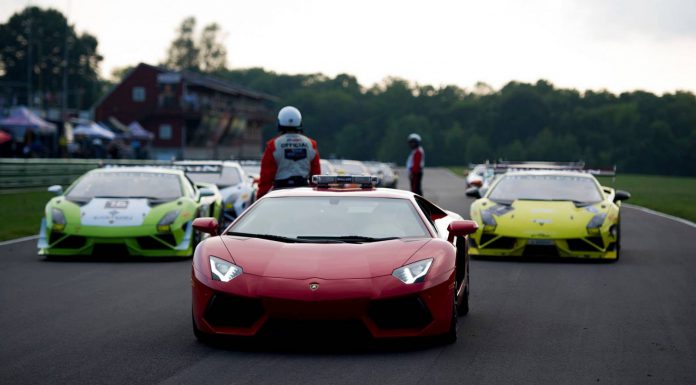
point(338, 218)
point(127, 184)
point(228, 176)
point(578, 189)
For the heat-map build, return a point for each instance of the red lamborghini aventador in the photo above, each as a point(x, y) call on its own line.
point(386, 260)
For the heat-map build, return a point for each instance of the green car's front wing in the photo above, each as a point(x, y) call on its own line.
point(119, 241)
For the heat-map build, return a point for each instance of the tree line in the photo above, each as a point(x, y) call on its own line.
point(637, 131)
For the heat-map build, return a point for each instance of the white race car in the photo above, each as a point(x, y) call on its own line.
point(236, 187)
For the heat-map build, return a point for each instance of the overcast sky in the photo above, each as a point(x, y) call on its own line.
point(587, 44)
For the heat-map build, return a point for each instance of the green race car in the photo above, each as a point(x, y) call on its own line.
point(547, 213)
point(138, 211)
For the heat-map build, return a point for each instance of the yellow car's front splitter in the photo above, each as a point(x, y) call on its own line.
point(525, 247)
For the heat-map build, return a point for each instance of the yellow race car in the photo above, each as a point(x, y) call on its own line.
point(547, 213)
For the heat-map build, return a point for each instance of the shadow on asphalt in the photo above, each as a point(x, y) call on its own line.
point(561, 260)
point(111, 259)
point(310, 345)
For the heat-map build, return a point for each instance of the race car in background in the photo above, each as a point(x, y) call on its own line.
point(326, 167)
point(476, 175)
point(252, 168)
point(349, 167)
point(384, 262)
point(563, 213)
point(137, 211)
point(237, 189)
point(387, 176)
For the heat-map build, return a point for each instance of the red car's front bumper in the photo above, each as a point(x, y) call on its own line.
point(383, 305)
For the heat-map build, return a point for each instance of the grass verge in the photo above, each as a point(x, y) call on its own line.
point(668, 194)
point(22, 213)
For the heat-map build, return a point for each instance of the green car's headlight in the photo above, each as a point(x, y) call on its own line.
point(413, 272)
point(596, 222)
point(165, 224)
point(58, 219)
point(222, 270)
point(489, 223)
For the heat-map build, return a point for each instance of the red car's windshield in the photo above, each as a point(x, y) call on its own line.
point(333, 217)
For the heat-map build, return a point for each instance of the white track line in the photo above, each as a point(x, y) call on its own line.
point(18, 240)
point(662, 215)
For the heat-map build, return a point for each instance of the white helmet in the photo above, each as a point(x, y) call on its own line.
point(289, 116)
point(415, 137)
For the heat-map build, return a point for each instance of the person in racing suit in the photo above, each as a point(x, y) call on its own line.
point(291, 158)
point(415, 163)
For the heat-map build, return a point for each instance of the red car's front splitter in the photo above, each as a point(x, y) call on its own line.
point(385, 306)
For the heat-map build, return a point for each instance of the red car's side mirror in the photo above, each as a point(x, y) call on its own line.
point(461, 229)
point(206, 225)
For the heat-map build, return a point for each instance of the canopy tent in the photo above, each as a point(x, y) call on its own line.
point(117, 126)
point(136, 131)
point(4, 137)
point(22, 119)
point(93, 130)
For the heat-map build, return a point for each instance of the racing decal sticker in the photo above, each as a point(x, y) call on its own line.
point(116, 204)
point(295, 153)
point(112, 212)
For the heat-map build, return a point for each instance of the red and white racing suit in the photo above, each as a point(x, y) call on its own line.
point(415, 165)
point(289, 160)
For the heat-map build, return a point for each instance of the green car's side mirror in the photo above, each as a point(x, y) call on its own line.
point(206, 192)
point(56, 189)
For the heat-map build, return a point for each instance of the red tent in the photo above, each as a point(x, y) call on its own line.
point(4, 137)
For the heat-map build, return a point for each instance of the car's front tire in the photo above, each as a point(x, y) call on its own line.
point(463, 307)
point(451, 336)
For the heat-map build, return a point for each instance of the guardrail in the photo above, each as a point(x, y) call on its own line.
point(17, 173)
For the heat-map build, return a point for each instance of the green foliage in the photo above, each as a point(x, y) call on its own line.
point(207, 53)
point(40, 37)
point(637, 131)
point(212, 53)
point(183, 52)
point(119, 73)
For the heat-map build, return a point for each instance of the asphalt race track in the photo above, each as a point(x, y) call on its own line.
point(96, 321)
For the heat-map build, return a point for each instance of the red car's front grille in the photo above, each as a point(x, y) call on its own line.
point(329, 330)
point(232, 311)
point(400, 313)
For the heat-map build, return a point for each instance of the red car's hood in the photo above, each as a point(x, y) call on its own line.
point(320, 260)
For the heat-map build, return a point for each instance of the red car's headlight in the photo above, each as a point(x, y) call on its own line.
point(224, 271)
point(413, 272)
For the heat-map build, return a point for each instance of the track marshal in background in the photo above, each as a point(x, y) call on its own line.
point(415, 163)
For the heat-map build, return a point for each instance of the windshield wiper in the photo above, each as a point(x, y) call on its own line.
point(582, 203)
point(348, 238)
point(503, 201)
point(270, 237)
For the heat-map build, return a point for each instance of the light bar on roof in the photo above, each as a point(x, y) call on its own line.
point(365, 181)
